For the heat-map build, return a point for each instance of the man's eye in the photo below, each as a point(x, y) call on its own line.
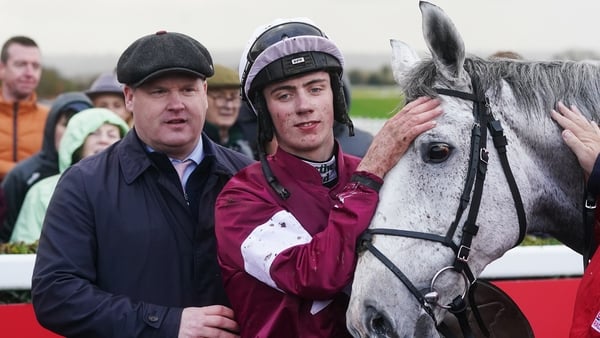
point(157, 92)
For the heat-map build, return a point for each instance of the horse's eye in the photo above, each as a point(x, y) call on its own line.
point(438, 152)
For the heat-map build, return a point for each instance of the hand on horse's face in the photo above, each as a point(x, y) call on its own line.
point(392, 141)
point(581, 135)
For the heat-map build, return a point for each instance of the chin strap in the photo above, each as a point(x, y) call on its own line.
point(282, 192)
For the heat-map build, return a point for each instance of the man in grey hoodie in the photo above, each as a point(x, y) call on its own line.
point(43, 164)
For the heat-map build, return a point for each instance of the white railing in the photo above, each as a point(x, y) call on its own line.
point(517, 263)
point(536, 261)
point(15, 271)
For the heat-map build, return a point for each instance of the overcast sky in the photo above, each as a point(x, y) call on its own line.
point(109, 26)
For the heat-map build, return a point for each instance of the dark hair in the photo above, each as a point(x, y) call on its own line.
point(19, 40)
point(68, 112)
point(77, 155)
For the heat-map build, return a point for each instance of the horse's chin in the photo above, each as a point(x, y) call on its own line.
point(372, 323)
point(425, 328)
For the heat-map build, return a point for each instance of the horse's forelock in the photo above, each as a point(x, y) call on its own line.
point(537, 85)
point(420, 80)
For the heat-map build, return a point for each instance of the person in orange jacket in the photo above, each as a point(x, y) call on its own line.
point(22, 118)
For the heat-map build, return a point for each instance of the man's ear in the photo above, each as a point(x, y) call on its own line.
point(128, 96)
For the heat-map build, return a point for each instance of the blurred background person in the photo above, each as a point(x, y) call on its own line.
point(107, 92)
point(505, 54)
point(44, 163)
point(224, 104)
point(22, 118)
point(358, 144)
point(87, 133)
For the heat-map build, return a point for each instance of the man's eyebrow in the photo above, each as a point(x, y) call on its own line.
point(290, 87)
point(313, 81)
point(282, 87)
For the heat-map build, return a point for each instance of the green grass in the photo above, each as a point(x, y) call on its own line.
point(535, 240)
point(375, 102)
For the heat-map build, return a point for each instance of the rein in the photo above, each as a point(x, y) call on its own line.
point(474, 183)
point(589, 236)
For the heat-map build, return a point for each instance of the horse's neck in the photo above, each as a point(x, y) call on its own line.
point(547, 172)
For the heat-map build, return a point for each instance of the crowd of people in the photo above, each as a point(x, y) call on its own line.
point(177, 197)
point(229, 122)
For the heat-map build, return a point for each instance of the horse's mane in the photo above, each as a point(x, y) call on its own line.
point(536, 85)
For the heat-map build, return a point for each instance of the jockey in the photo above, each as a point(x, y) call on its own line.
point(583, 137)
point(287, 226)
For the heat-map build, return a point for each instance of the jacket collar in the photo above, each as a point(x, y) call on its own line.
point(301, 170)
point(135, 161)
point(30, 101)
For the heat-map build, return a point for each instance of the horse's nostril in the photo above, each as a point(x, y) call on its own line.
point(378, 324)
point(381, 326)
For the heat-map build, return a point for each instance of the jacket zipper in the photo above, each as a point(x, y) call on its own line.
point(15, 131)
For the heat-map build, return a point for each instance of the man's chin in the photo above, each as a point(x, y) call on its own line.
point(22, 95)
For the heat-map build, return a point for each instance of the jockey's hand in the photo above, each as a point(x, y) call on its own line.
point(396, 135)
point(581, 135)
point(208, 321)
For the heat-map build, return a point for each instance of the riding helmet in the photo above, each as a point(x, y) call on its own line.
point(283, 49)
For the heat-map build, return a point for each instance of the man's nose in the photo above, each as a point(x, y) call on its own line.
point(30, 69)
point(175, 100)
point(304, 102)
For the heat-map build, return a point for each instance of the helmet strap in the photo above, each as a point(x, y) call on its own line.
point(340, 109)
point(265, 134)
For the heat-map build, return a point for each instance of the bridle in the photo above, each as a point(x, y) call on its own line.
point(476, 173)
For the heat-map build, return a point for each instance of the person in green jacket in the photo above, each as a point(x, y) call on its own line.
point(89, 132)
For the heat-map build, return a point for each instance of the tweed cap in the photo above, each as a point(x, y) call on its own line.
point(224, 77)
point(163, 52)
point(105, 83)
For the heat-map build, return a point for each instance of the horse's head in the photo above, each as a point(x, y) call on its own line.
point(439, 222)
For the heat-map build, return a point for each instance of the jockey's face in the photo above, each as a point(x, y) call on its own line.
point(302, 112)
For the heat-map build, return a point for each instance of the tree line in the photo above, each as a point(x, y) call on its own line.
point(53, 83)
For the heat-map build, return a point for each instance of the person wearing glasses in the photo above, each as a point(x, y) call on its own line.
point(287, 226)
point(224, 104)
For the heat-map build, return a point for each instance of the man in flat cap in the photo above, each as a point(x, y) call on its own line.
point(128, 246)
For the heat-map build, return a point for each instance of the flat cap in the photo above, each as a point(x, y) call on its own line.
point(164, 52)
point(224, 77)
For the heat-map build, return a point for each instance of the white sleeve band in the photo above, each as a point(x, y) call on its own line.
point(266, 241)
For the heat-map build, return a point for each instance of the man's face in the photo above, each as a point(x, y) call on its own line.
point(169, 112)
point(114, 102)
point(223, 107)
point(302, 113)
point(21, 73)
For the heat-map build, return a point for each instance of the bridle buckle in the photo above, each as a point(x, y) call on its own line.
point(463, 253)
point(590, 204)
point(483, 155)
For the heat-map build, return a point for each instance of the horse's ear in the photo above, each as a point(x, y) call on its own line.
point(444, 42)
point(403, 59)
